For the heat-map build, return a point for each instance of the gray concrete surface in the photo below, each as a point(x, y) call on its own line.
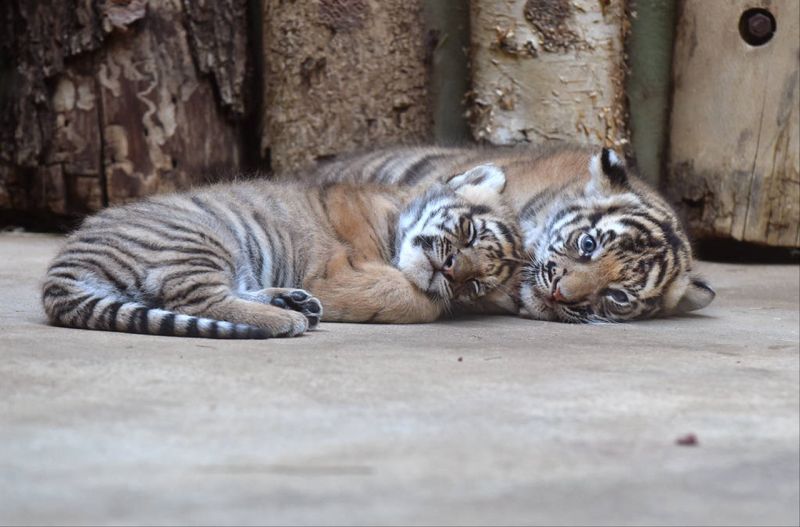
point(479, 421)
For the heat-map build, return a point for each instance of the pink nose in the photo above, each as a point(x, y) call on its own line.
point(557, 296)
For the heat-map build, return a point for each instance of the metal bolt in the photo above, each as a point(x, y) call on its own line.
point(759, 25)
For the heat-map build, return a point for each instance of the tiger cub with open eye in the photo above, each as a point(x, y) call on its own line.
point(601, 245)
point(259, 259)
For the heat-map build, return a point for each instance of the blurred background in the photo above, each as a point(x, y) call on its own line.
point(104, 101)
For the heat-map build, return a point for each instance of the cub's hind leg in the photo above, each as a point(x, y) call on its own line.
point(206, 294)
point(279, 322)
point(294, 299)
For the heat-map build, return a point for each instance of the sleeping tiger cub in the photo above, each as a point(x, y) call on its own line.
point(602, 245)
point(243, 260)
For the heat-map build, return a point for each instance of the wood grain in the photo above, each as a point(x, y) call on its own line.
point(734, 163)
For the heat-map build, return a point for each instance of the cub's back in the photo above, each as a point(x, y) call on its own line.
point(528, 170)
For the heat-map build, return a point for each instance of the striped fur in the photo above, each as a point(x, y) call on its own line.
point(602, 246)
point(243, 260)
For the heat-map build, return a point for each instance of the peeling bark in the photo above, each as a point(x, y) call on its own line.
point(218, 36)
point(35, 41)
point(549, 69)
point(735, 154)
point(102, 101)
point(342, 75)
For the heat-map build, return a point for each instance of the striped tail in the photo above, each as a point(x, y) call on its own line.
point(70, 305)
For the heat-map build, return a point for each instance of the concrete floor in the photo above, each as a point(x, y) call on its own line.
point(479, 421)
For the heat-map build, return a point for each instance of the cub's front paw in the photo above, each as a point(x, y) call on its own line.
point(301, 301)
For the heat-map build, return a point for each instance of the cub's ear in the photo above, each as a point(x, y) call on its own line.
point(486, 177)
point(698, 295)
point(608, 173)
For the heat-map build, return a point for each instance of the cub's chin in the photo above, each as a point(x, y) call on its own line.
point(438, 287)
point(534, 306)
point(420, 273)
point(495, 302)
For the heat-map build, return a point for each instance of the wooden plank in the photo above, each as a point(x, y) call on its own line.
point(548, 69)
point(734, 163)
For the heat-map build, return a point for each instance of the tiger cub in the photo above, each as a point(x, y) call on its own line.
point(602, 245)
point(259, 259)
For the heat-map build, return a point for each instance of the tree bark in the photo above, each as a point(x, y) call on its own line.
point(342, 75)
point(734, 155)
point(104, 101)
point(548, 69)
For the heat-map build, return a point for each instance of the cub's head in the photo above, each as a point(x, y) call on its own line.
point(458, 241)
point(610, 250)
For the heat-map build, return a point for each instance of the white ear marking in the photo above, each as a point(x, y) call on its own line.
point(613, 159)
point(608, 173)
point(698, 295)
point(595, 184)
point(695, 293)
point(482, 176)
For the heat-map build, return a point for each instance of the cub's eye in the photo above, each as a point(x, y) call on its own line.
point(586, 244)
point(620, 297)
point(469, 231)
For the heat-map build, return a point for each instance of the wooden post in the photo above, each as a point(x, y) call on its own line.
point(548, 69)
point(734, 156)
point(103, 101)
point(342, 75)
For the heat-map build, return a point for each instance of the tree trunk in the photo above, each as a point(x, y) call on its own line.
point(548, 69)
point(342, 75)
point(734, 152)
point(103, 102)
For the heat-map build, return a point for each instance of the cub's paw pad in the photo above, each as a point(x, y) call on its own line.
point(299, 295)
point(299, 300)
